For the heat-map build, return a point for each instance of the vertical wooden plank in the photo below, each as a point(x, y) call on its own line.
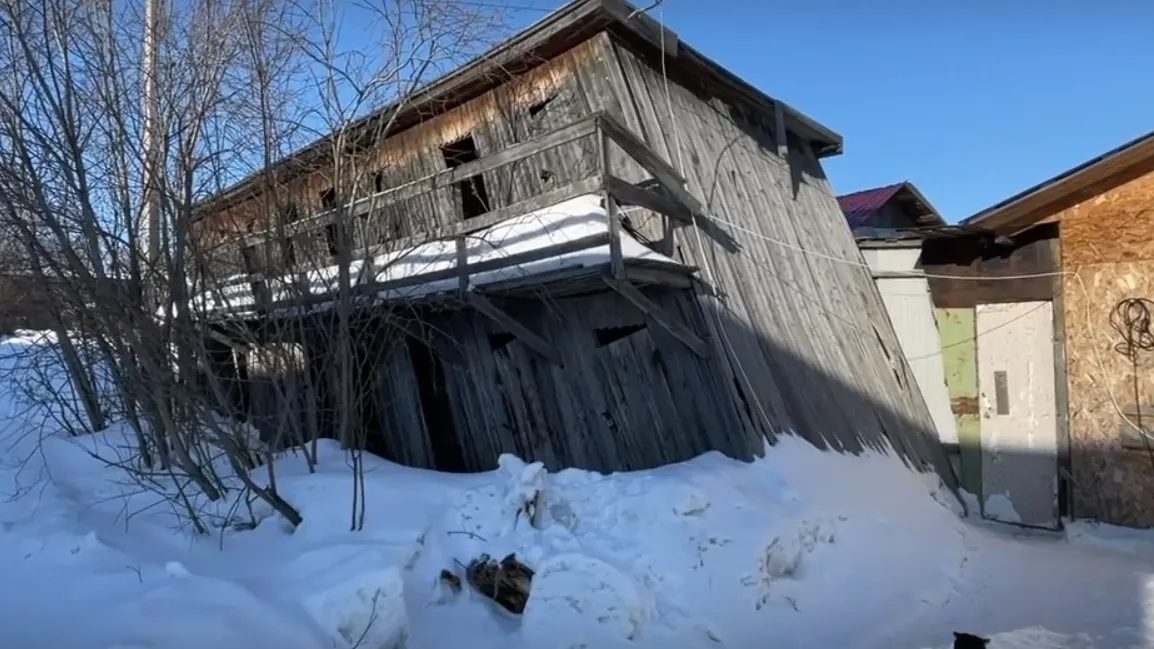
point(780, 135)
point(1061, 391)
point(462, 265)
point(616, 262)
point(956, 327)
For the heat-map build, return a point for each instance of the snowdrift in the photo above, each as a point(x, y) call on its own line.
point(707, 553)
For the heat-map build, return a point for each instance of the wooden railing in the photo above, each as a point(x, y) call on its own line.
point(674, 202)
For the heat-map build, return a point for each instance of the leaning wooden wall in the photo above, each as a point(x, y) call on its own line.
point(811, 334)
point(627, 395)
point(1108, 250)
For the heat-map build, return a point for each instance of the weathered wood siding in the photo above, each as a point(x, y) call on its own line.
point(628, 395)
point(546, 98)
point(952, 261)
point(809, 334)
point(1107, 245)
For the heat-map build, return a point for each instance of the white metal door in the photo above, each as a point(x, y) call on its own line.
point(1019, 425)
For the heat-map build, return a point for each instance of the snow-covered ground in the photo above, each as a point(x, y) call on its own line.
point(801, 549)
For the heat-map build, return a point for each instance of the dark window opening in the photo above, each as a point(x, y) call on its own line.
point(536, 108)
point(474, 195)
point(363, 231)
point(260, 293)
point(329, 199)
point(500, 340)
point(333, 239)
point(290, 252)
point(609, 335)
point(436, 408)
point(397, 227)
point(248, 258)
point(290, 214)
point(379, 181)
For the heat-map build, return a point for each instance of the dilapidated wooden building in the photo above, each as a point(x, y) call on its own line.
point(621, 255)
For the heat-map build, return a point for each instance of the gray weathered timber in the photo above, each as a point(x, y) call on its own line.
point(809, 333)
point(626, 395)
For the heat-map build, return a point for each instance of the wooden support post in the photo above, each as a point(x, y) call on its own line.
point(616, 263)
point(462, 265)
point(491, 311)
point(635, 148)
point(261, 296)
point(658, 315)
point(780, 135)
point(665, 174)
point(630, 194)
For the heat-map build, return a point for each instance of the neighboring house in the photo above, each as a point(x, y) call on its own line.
point(889, 224)
point(1050, 368)
point(574, 308)
point(883, 210)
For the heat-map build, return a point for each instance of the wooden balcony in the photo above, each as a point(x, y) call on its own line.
point(602, 257)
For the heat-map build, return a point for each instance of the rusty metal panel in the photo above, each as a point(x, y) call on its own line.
point(959, 356)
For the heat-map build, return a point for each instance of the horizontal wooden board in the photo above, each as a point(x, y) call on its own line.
point(963, 271)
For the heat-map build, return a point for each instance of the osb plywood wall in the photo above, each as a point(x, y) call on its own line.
point(1107, 247)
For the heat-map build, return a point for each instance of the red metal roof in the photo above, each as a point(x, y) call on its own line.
point(858, 206)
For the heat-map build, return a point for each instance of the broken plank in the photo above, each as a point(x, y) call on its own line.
point(631, 194)
point(491, 311)
point(658, 315)
point(636, 148)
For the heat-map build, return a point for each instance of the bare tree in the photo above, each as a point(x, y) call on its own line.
point(239, 85)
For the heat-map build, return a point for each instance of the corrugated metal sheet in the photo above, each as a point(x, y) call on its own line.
point(858, 206)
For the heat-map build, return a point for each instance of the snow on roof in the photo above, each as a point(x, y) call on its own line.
point(571, 220)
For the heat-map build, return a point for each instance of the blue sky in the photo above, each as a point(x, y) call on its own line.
point(972, 100)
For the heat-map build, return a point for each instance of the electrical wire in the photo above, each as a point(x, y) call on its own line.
point(1137, 328)
point(1131, 319)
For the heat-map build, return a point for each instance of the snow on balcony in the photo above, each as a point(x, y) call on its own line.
point(579, 218)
